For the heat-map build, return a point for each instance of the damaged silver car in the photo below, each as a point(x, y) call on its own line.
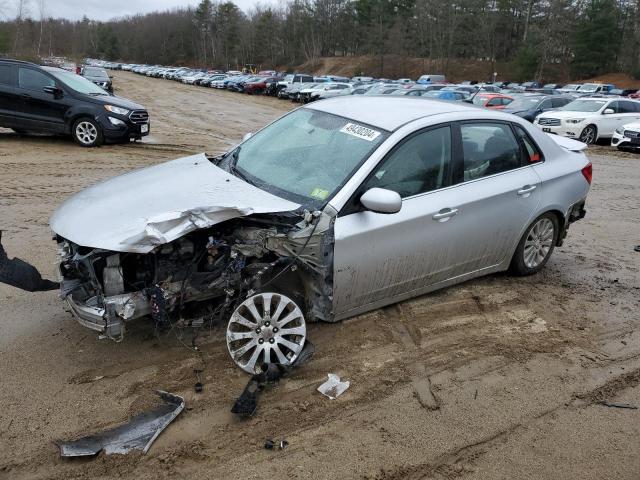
point(337, 208)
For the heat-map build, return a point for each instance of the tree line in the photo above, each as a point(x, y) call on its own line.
point(589, 37)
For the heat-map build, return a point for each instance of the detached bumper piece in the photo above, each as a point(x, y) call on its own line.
point(138, 434)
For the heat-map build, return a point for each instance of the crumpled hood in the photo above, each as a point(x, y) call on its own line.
point(140, 210)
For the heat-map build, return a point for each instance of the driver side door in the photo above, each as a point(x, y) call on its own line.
point(41, 110)
point(379, 256)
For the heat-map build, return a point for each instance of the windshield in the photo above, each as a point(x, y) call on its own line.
point(95, 72)
point(584, 105)
point(589, 87)
point(78, 83)
point(307, 155)
point(524, 103)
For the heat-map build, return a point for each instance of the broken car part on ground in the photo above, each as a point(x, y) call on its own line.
point(137, 434)
point(22, 275)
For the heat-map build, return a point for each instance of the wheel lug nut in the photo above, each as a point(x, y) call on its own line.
point(271, 340)
point(275, 329)
point(267, 323)
point(261, 341)
point(258, 330)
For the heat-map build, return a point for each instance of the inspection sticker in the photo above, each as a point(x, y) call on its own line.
point(359, 131)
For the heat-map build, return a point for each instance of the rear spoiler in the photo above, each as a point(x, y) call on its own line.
point(568, 143)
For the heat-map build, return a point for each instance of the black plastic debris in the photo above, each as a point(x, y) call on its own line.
point(637, 249)
point(137, 434)
point(247, 403)
point(198, 387)
point(269, 444)
point(618, 405)
point(22, 275)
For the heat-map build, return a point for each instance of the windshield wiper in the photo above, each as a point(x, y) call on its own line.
point(233, 166)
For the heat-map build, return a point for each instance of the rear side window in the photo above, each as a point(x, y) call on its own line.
point(488, 148)
point(6, 78)
point(33, 80)
point(533, 152)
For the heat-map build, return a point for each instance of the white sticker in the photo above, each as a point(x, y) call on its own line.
point(359, 131)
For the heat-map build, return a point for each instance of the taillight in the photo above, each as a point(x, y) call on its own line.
point(588, 172)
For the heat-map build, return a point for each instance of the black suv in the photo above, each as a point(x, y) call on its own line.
point(46, 99)
point(99, 76)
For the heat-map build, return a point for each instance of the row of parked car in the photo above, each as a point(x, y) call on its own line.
point(589, 112)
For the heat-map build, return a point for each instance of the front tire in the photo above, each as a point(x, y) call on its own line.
point(589, 135)
point(536, 245)
point(268, 327)
point(87, 132)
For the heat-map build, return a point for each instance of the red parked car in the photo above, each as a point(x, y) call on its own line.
point(259, 86)
point(496, 101)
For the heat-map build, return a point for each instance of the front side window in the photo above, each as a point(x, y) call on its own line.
point(626, 107)
point(420, 164)
point(307, 155)
point(33, 79)
point(488, 148)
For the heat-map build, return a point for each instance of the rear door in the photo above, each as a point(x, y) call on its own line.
point(9, 99)
point(497, 194)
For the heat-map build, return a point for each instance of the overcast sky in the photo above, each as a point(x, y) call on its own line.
point(107, 9)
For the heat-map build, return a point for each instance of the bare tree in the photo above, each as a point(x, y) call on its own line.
point(42, 11)
point(22, 10)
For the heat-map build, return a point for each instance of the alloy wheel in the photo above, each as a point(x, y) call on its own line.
point(266, 328)
point(538, 243)
point(588, 135)
point(86, 133)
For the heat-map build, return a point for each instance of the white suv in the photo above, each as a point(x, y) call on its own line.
point(589, 119)
point(627, 137)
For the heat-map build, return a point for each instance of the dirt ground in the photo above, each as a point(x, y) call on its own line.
point(495, 378)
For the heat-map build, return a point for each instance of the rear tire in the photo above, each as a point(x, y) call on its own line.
point(536, 245)
point(87, 132)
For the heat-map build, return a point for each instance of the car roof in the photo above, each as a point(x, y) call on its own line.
point(386, 112)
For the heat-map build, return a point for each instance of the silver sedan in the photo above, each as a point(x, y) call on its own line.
point(339, 207)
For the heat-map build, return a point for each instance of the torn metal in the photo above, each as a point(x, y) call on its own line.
point(137, 434)
point(144, 209)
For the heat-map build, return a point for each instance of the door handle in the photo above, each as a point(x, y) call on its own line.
point(445, 214)
point(25, 96)
point(526, 189)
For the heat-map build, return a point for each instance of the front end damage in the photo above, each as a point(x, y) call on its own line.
point(204, 274)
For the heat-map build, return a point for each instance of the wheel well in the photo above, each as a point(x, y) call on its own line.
point(74, 119)
point(562, 221)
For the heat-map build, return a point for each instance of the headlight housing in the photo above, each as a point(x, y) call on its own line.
point(118, 110)
point(575, 120)
point(620, 130)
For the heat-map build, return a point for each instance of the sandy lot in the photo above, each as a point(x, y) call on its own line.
point(515, 367)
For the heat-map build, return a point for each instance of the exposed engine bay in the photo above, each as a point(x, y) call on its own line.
point(207, 270)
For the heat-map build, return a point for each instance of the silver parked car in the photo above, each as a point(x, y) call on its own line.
point(337, 208)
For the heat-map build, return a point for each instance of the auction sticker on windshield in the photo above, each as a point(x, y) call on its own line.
point(359, 131)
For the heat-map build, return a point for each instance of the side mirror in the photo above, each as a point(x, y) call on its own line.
point(380, 200)
point(55, 91)
point(608, 111)
point(247, 136)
